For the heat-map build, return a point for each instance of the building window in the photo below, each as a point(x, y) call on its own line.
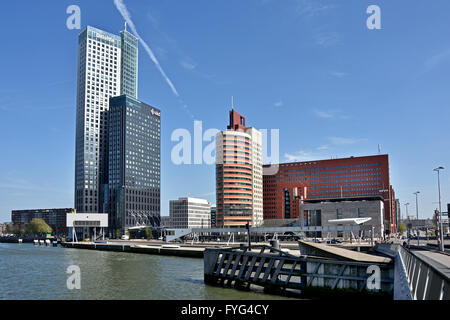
point(360, 212)
point(339, 213)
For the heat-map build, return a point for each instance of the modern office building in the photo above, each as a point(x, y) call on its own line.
point(329, 179)
point(55, 218)
point(239, 197)
point(320, 212)
point(187, 213)
point(134, 172)
point(107, 67)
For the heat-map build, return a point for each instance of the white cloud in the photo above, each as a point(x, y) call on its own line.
point(330, 114)
point(301, 156)
point(326, 39)
point(188, 65)
point(311, 8)
point(278, 104)
point(437, 59)
point(338, 74)
point(323, 114)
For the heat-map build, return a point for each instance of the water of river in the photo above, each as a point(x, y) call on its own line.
point(29, 272)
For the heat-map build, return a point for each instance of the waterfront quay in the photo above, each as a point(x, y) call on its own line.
point(188, 248)
point(170, 250)
point(192, 250)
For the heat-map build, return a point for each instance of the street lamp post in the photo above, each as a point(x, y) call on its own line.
point(406, 206)
point(417, 216)
point(441, 233)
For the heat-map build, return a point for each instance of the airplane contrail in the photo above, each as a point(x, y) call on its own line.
point(126, 15)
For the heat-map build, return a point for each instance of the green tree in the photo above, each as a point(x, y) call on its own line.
point(21, 232)
point(118, 234)
point(148, 233)
point(38, 227)
point(401, 228)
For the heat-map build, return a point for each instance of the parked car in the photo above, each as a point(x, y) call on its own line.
point(125, 237)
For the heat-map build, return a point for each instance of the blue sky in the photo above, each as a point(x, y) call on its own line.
point(309, 68)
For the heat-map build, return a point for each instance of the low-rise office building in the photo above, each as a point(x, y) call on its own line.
point(187, 213)
point(55, 218)
point(319, 212)
point(368, 176)
point(422, 224)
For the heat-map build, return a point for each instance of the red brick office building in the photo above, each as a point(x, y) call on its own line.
point(328, 179)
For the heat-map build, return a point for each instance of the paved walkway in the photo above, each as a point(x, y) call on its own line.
point(438, 260)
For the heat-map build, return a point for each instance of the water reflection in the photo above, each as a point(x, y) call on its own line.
point(30, 272)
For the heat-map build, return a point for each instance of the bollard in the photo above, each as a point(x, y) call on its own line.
point(275, 244)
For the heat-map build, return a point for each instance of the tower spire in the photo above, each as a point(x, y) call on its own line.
point(125, 26)
point(232, 102)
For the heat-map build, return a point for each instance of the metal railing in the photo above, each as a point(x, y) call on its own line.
point(423, 280)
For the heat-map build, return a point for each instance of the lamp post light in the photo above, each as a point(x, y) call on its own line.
point(441, 233)
point(417, 216)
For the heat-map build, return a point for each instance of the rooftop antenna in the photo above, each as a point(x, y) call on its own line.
point(232, 102)
point(125, 26)
point(379, 148)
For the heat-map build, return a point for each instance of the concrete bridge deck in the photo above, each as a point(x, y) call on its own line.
point(333, 252)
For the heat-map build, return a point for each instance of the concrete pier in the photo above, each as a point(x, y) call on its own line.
point(191, 252)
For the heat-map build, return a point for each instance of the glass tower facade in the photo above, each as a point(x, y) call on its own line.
point(99, 70)
point(133, 195)
point(129, 72)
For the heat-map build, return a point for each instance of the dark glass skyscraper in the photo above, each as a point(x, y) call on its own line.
point(133, 193)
